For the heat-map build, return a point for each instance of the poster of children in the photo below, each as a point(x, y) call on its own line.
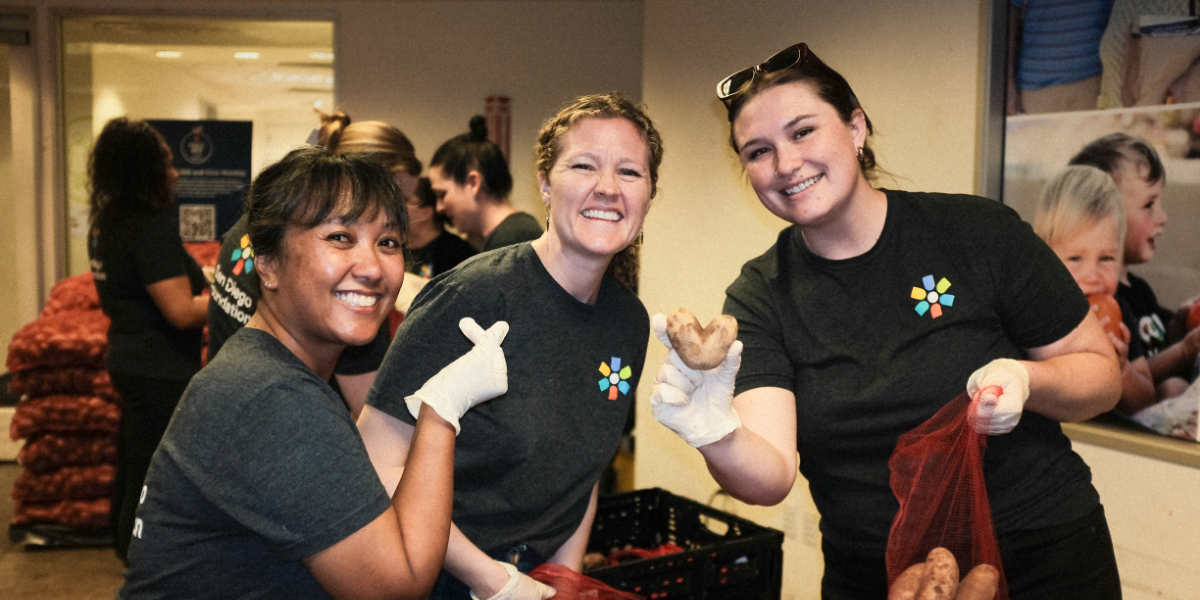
point(1148, 160)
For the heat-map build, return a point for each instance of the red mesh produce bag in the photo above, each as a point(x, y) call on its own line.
point(73, 338)
point(205, 253)
point(937, 475)
point(62, 380)
point(52, 451)
point(577, 586)
point(64, 413)
point(68, 483)
point(81, 514)
point(73, 293)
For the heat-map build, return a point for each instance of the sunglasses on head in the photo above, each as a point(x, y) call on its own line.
point(792, 56)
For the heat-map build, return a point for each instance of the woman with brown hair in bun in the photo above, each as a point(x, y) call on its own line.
point(470, 177)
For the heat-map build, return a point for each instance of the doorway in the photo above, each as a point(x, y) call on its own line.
point(271, 73)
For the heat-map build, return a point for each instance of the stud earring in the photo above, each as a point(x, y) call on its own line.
point(860, 153)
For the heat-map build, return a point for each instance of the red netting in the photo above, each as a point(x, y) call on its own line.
point(63, 380)
point(64, 413)
point(937, 475)
point(48, 452)
point(73, 293)
point(570, 585)
point(67, 483)
point(73, 338)
point(205, 253)
point(82, 514)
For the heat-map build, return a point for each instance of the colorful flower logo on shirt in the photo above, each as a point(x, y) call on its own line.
point(243, 257)
point(615, 377)
point(932, 297)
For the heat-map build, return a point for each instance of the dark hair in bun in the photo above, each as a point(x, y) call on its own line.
point(473, 151)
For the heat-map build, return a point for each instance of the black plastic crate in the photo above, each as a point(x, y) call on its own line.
point(725, 557)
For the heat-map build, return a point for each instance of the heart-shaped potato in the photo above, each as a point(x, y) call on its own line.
point(700, 348)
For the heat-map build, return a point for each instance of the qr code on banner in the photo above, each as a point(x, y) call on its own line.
point(197, 222)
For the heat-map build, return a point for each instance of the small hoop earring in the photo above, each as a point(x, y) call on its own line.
point(640, 238)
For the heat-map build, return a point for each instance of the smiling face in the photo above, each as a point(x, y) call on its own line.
point(598, 190)
point(459, 203)
point(1143, 211)
point(1093, 255)
point(799, 155)
point(336, 282)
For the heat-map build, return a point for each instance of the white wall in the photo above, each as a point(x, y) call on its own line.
point(426, 67)
point(1152, 512)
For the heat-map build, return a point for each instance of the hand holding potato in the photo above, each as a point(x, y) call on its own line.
point(696, 404)
point(937, 579)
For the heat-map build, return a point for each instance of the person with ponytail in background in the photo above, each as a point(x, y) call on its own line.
point(470, 177)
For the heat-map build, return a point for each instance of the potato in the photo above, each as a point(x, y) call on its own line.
point(905, 586)
point(939, 581)
point(700, 348)
point(979, 584)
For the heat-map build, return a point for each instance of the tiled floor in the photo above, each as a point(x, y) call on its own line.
point(57, 574)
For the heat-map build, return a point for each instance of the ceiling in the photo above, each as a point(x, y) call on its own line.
point(290, 57)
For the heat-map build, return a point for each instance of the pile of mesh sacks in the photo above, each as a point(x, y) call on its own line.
point(68, 416)
point(68, 413)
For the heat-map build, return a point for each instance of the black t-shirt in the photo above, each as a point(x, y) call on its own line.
point(1137, 348)
point(526, 461)
point(235, 294)
point(133, 251)
point(1150, 319)
point(260, 467)
point(874, 345)
point(516, 228)
point(442, 254)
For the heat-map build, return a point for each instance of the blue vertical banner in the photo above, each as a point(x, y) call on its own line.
point(213, 160)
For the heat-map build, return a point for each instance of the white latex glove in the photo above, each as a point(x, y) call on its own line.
point(697, 405)
point(480, 374)
point(998, 393)
point(520, 587)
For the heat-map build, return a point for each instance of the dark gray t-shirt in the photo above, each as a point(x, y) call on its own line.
point(874, 345)
point(516, 228)
point(260, 467)
point(525, 462)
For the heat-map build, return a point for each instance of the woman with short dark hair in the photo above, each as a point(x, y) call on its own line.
point(262, 486)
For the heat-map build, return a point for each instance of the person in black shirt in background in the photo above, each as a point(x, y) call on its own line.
point(150, 287)
point(431, 250)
